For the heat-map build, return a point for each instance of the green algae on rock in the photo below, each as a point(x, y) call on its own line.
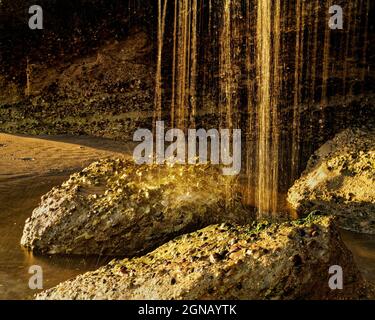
point(340, 179)
point(115, 207)
point(282, 261)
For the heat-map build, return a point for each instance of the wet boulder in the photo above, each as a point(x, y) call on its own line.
point(267, 261)
point(115, 207)
point(340, 179)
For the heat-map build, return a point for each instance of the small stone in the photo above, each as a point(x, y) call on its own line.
point(314, 233)
point(215, 257)
point(236, 255)
point(234, 248)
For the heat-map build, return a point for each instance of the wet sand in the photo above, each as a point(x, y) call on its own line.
point(30, 167)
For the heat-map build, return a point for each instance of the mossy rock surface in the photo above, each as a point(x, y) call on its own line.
point(115, 207)
point(340, 179)
point(281, 261)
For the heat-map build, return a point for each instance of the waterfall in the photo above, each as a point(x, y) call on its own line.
point(267, 73)
point(264, 66)
point(184, 64)
point(162, 11)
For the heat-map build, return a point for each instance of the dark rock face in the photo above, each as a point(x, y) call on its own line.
point(340, 179)
point(287, 261)
point(71, 29)
point(84, 73)
point(114, 207)
point(108, 93)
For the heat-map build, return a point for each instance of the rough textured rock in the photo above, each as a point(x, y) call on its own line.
point(340, 179)
point(9, 92)
point(277, 261)
point(115, 207)
point(108, 93)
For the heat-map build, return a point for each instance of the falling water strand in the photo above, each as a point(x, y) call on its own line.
point(181, 64)
point(193, 58)
point(326, 60)
point(226, 75)
point(251, 106)
point(158, 80)
point(188, 63)
point(297, 88)
point(365, 44)
point(348, 27)
point(174, 54)
point(275, 101)
point(264, 105)
point(353, 42)
point(315, 51)
point(185, 64)
point(311, 54)
point(325, 71)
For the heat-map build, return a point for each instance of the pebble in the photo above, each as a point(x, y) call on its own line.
point(215, 257)
point(236, 255)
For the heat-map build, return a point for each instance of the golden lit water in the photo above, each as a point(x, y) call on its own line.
point(259, 57)
point(16, 206)
point(48, 161)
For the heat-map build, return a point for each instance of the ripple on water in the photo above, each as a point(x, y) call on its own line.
point(22, 183)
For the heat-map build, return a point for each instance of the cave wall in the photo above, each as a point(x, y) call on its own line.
point(335, 86)
point(90, 65)
point(71, 29)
